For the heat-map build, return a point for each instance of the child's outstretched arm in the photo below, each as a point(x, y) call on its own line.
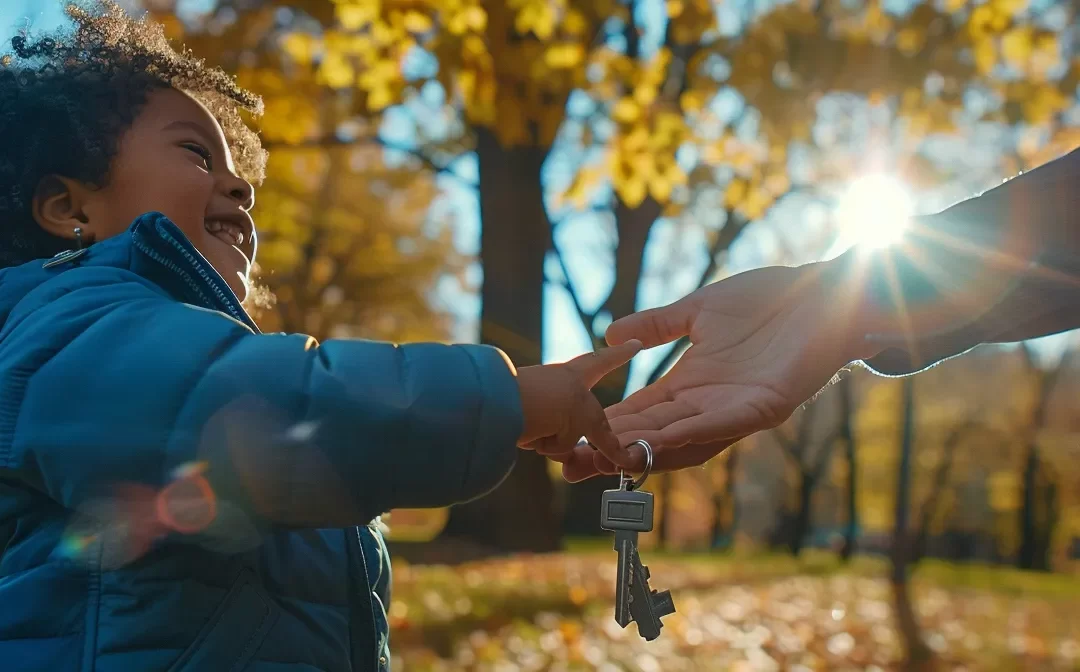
point(288, 432)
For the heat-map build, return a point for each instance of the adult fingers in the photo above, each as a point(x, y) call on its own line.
point(719, 425)
point(690, 455)
point(656, 326)
point(647, 397)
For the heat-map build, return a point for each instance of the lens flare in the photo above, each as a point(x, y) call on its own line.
point(118, 529)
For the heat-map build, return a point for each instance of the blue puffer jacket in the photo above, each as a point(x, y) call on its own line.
point(134, 367)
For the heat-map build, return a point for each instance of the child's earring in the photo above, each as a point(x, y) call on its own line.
point(68, 256)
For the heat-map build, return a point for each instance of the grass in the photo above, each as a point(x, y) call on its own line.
point(813, 562)
point(557, 608)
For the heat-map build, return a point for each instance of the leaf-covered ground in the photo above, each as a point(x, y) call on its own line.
point(554, 613)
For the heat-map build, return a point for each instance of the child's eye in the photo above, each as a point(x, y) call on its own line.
point(203, 152)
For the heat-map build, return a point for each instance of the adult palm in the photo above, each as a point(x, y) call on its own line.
point(762, 343)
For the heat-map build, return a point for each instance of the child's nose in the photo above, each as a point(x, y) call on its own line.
point(241, 191)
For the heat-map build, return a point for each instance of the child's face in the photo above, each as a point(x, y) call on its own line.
point(175, 160)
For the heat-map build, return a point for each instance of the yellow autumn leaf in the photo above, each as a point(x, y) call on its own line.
point(336, 71)
point(985, 55)
point(735, 193)
point(660, 188)
point(1008, 8)
point(355, 16)
point(644, 94)
point(625, 111)
point(1016, 45)
point(300, 47)
point(574, 23)
point(954, 5)
point(631, 190)
point(636, 139)
point(1004, 491)
point(561, 56)
point(777, 184)
point(675, 175)
point(379, 98)
point(473, 46)
point(756, 203)
point(674, 8)
point(910, 40)
point(692, 101)
point(476, 18)
point(979, 21)
point(416, 22)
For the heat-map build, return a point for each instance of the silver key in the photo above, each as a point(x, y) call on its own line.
point(626, 512)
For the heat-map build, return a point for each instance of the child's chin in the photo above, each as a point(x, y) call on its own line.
point(239, 283)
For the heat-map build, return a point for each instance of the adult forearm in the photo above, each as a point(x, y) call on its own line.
point(1001, 266)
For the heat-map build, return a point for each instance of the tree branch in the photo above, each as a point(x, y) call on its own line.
point(941, 478)
point(592, 209)
point(586, 317)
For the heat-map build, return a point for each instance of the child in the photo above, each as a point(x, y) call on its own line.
point(167, 473)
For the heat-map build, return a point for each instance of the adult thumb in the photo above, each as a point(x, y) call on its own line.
point(656, 326)
point(592, 366)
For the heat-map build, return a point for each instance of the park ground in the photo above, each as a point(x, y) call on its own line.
point(554, 612)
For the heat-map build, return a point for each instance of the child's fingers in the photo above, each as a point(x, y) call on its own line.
point(592, 366)
point(551, 446)
point(599, 433)
point(579, 463)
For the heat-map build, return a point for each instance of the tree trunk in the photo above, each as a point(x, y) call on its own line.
point(851, 532)
point(1028, 532)
point(634, 224)
point(918, 655)
point(1046, 537)
point(521, 514)
point(664, 516)
point(802, 517)
point(1037, 518)
point(726, 502)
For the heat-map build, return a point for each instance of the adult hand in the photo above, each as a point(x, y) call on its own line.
point(762, 343)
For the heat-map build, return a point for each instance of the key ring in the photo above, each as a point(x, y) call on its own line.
point(637, 483)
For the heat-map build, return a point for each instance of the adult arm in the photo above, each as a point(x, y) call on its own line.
point(1001, 267)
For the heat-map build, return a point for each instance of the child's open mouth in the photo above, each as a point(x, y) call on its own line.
point(232, 233)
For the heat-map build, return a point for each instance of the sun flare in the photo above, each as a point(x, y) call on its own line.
point(874, 212)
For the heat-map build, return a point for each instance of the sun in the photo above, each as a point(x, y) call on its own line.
point(874, 212)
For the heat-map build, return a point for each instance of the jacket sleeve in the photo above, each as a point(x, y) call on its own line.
point(285, 430)
point(1001, 267)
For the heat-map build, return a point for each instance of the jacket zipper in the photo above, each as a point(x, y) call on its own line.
point(226, 301)
point(364, 585)
point(229, 302)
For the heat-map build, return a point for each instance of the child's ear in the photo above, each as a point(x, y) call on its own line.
point(60, 205)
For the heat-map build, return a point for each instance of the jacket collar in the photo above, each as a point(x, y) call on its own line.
point(161, 253)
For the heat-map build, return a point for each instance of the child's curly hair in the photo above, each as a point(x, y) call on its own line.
point(67, 98)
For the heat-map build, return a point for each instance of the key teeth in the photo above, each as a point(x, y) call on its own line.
point(663, 605)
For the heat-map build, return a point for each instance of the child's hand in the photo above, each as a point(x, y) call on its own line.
point(559, 408)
